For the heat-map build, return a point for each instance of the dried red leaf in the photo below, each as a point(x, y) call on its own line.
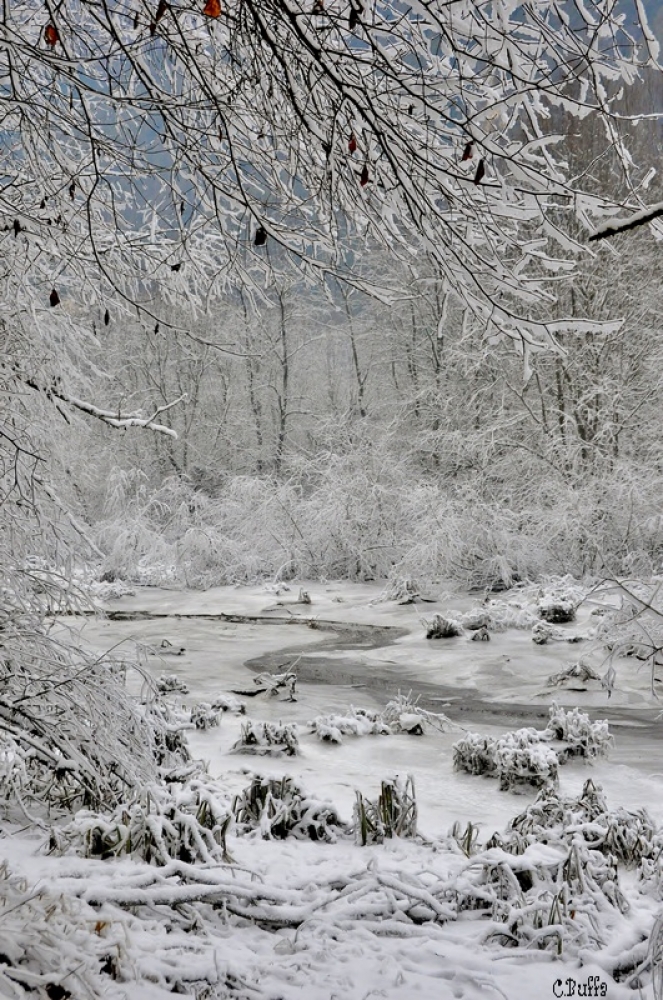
point(161, 10)
point(363, 180)
point(353, 19)
point(212, 8)
point(176, 267)
point(319, 6)
point(468, 152)
point(54, 299)
point(72, 190)
point(51, 35)
point(481, 170)
point(352, 143)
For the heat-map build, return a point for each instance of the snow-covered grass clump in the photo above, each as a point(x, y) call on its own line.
point(525, 757)
point(393, 814)
point(278, 808)
point(267, 739)
point(183, 820)
point(581, 736)
point(400, 715)
point(354, 722)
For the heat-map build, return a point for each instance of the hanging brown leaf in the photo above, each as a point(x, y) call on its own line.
point(363, 180)
point(176, 267)
point(106, 318)
point(51, 35)
point(212, 8)
point(136, 22)
point(468, 152)
point(481, 170)
point(17, 227)
point(182, 207)
point(42, 203)
point(353, 19)
point(156, 327)
point(352, 143)
point(319, 6)
point(72, 190)
point(54, 299)
point(260, 237)
point(161, 10)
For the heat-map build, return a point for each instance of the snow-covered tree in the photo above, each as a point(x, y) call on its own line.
point(151, 141)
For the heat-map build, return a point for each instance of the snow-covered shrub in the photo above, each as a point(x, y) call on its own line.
point(557, 609)
point(498, 615)
point(393, 815)
point(203, 716)
point(228, 703)
point(403, 714)
point(619, 834)
point(481, 635)
point(171, 684)
point(279, 808)
point(521, 759)
point(402, 589)
point(187, 822)
point(583, 738)
point(275, 683)
point(635, 626)
point(475, 754)
point(400, 715)
point(542, 633)
point(442, 628)
point(576, 677)
point(354, 722)
point(267, 738)
point(71, 733)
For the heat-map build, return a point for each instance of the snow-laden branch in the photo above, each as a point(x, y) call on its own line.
point(611, 227)
point(130, 419)
point(114, 418)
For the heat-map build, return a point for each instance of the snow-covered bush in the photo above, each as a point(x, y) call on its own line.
point(204, 716)
point(583, 738)
point(475, 754)
point(576, 677)
point(267, 738)
point(185, 821)
point(354, 722)
point(521, 759)
point(393, 815)
point(556, 609)
point(442, 628)
point(228, 703)
point(279, 808)
point(400, 715)
point(71, 733)
point(171, 684)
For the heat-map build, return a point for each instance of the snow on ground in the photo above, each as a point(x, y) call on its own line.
point(331, 953)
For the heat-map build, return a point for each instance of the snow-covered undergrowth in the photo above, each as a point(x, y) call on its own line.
point(364, 517)
point(400, 715)
point(550, 885)
point(525, 757)
point(267, 738)
point(630, 623)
